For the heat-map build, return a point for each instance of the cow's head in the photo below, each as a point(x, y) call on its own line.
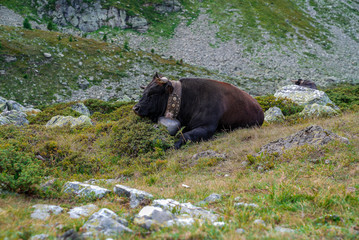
point(298, 82)
point(154, 100)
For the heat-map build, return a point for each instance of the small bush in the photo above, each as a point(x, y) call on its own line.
point(19, 171)
point(51, 26)
point(27, 24)
point(287, 106)
point(134, 136)
point(95, 105)
point(344, 96)
point(47, 113)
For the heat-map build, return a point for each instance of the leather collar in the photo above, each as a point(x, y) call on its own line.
point(174, 100)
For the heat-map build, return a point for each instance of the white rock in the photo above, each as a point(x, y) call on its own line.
point(283, 230)
point(219, 224)
point(181, 221)
point(47, 55)
point(185, 186)
point(43, 211)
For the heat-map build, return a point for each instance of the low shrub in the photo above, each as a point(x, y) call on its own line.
point(19, 171)
point(26, 24)
point(95, 105)
point(47, 113)
point(287, 106)
point(344, 96)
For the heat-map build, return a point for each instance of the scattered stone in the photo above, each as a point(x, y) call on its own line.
point(84, 211)
point(240, 230)
point(351, 189)
point(259, 222)
point(47, 55)
point(151, 216)
point(2, 72)
point(71, 235)
point(316, 110)
point(304, 96)
point(61, 121)
point(81, 108)
point(283, 230)
point(208, 153)
point(85, 190)
point(135, 196)
point(40, 237)
point(186, 208)
point(105, 222)
point(312, 135)
point(214, 197)
point(273, 114)
point(242, 204)
point(43, 211)
point(83, 83)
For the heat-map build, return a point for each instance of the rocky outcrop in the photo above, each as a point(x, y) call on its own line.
point(303, 95)
point(85, 190)
point(89, 16)
point(61, 121)
point(312, 135)
point(13, 117)
point(168, 6)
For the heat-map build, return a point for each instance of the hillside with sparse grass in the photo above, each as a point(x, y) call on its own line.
point(49, 64)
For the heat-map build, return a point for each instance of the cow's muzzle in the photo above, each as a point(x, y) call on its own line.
point(136, 108)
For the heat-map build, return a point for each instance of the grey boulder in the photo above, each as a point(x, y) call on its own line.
point(85, 190)
point(273, 114)
point(105, 222)
point(136, 196)
point(43, 211)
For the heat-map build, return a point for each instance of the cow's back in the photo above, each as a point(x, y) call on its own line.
point(212, 99)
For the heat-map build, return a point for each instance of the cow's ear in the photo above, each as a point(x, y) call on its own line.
point(169, 87)
point(156, 76)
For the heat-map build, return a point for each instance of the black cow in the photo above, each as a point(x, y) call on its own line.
point(205, 106)
point(305, 83)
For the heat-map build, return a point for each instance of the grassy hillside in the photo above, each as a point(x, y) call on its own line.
point(32, 78)
point(313, 190)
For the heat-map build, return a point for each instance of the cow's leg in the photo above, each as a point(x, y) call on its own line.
point(196, 134)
